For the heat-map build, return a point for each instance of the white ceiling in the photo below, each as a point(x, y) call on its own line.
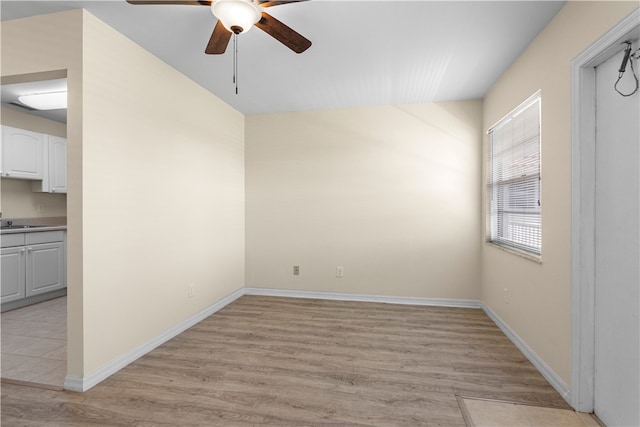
point(363, 52)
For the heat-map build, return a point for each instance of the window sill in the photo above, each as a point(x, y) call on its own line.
point(522, 254)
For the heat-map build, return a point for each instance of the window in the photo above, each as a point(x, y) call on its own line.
point(514, 179)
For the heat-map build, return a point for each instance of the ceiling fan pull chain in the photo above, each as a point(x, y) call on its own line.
point(235, 60)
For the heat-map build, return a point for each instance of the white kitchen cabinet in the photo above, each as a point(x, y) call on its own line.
point(55, 168)
point(12, 270)
point(35, 267)
point(57, 164)
point(22, 153)
point(45, 268)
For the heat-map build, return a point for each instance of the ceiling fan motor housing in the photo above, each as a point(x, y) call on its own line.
point(237, 16)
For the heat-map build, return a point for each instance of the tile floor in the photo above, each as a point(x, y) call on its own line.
point(487, 413)
point(34, 343)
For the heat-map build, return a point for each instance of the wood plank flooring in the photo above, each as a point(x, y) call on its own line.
point(301, 362)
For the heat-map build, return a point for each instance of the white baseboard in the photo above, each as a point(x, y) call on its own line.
point(544, 369)
point(75, 383)
point(442, 302)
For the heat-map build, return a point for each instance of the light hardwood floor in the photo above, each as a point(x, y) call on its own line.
point(300, 362)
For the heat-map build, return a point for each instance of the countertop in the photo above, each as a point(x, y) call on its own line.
point(35, 225)
point(33, 229)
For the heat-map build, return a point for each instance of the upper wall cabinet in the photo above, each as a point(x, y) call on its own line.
point(22, 153)
point(55, 168)
point(57, 164)
point(35, 156)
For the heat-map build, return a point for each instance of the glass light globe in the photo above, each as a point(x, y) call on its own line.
point(237, 16)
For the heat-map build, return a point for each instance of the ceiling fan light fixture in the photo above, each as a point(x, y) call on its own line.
point(237, 16)
point(45, 101)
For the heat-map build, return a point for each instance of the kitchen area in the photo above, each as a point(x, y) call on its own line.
point(33, 205)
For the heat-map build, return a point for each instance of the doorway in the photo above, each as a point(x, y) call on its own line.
point(34, 318)
point(606, 231)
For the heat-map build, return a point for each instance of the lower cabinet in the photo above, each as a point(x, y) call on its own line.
point(45, 268)
point(13, 271)
point(34, 266)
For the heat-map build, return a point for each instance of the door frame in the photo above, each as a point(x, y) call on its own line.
point(583, 180)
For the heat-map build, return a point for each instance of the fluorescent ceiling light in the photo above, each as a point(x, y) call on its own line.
point(45, 101)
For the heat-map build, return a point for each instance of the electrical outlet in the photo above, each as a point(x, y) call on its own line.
point(339, 271)
point(40, 207)
point(296, 270)
point(506, 296)
point(191, 290)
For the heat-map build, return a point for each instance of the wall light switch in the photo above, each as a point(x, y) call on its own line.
point(339, 271)
point(296, 270)
point(40, 207)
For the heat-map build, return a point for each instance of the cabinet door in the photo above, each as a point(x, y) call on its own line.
point(12, 268)
point(57, 164)
point(45, 268)
point(22, 153)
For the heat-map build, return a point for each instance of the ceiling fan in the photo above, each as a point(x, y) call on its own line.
point(238, 16)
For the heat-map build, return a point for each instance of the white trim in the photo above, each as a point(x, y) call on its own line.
point(75, 383)
point(339, 296)
point(529, 256)
point(583, 159)
point(537, 96)
point(544, 369)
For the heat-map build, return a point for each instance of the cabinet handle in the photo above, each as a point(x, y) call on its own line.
point(6, 174)
point(29, 249)
point(53, 190)
point(22, 250)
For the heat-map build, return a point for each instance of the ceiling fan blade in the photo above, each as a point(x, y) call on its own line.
point(283, 33)
point(267, 3)
point(219, 40)
point(181, 2)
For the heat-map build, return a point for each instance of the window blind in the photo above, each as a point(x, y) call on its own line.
point(514, 206)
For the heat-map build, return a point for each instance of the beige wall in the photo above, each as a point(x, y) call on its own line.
point(163, 202)
point(156, 192)
point(23, 120)
point(391, 193)
point(539, 294)
point(17, 200)
point(42, 44)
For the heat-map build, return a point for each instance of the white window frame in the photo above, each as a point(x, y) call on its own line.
point(514, 184)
